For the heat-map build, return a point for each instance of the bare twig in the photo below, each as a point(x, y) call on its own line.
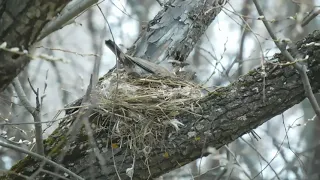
point(277, 153)
point(68, 13)
point(117, 84)
point(12, 172)
point(85, 121)
point(301, 68)
point(237, 162)
point(159, 2)
point(246, 10)
point(93, 81)
point(20, 123)
point(35, 155)
point(310, 17)
point(69, 51)
point(221, 174)
point(252, 147)
point(84, 111)
point(35, 112)
point(54, 174)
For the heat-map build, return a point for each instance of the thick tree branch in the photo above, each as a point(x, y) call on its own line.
point(21, 24)
point(223, 116)
point(72, 10)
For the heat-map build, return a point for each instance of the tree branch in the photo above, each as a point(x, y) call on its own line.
point(72, 10)
point(35, 112)
point(222, 116)
point(41, 158)
point(300, 67)
point(217, 119)
point(21, 24)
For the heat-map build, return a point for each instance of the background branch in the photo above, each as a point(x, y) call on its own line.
point(300, 67)
point(35, 112)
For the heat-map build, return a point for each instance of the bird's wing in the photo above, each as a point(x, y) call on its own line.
point(148, 66)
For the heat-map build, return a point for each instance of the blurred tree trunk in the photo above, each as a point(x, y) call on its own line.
point(21, 23)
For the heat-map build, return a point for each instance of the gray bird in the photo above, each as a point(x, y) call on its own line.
point(130, 62)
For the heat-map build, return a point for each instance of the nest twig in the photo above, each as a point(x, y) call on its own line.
point(141, 108)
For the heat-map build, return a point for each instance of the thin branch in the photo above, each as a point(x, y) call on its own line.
point(2, 171)
point(54, 174)
point(310, 17)
point(221, 174)
point(160, 3)
point(90, 133)
point(35, 112)
point(278, 152)
point(68, 13)
point(301, 68)
point(237, 162)
point(38, 125)
point(22, 96)
point(20, 123)
point(35, 155)
point(252, 147)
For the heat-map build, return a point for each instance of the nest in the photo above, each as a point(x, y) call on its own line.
point(141, 109)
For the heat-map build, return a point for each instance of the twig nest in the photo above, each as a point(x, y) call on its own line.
point(142, 107)
point(151, 90)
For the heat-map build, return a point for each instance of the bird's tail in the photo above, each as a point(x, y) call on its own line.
point(113, 47)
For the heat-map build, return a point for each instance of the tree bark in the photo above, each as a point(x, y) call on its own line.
point(21, 23)
point(175, 30)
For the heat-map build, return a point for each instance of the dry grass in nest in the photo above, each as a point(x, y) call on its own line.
point(141, 108)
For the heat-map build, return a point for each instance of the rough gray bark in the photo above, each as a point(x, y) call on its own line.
point(226, 114)
point(176, 29)
point(21, 23)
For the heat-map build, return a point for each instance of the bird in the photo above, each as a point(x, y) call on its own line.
point(130, 63)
